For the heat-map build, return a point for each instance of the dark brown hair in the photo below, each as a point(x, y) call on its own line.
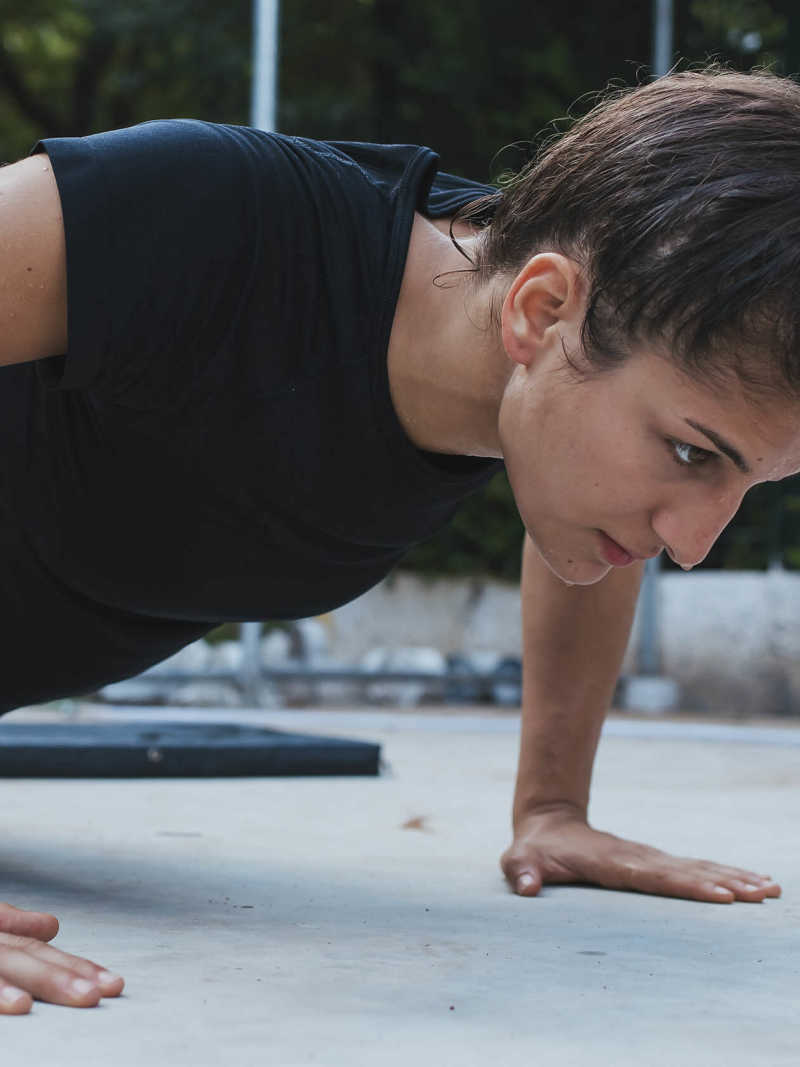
point(680, 199)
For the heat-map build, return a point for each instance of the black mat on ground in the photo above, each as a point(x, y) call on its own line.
point(174, 750)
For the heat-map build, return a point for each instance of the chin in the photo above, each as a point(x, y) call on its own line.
point(588, 574)
point(571, 572)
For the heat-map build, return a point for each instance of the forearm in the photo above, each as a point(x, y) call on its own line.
point(574, 639)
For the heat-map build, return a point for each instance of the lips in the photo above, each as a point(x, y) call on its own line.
point(617, 556)
point(613, 553)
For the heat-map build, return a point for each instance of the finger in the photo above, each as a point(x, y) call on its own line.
point(750, 877)
point(747, 891)
point(769, 885)
point(689, 880)
point(705, 892)
point(528, 883)
point(111, 985)
point(521, 874)
point(664, 880)
point(745, 885)
point(14, 1001)
point(55, 984)
point(40, 925)
point(710, 892)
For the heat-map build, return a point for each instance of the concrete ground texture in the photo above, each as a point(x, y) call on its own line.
point(364, 921)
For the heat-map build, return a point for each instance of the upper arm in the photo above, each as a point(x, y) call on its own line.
point(33, 273)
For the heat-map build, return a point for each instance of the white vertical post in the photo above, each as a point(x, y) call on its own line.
point(648, 659)
point(250, 671)
point(265, 64)
point(263, 109)
point(663, 20)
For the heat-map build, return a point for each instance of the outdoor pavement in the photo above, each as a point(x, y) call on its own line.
point(364, 921)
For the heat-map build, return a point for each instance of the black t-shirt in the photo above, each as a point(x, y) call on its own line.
point(219, 440)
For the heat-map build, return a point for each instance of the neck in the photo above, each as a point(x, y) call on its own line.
point(447, 367)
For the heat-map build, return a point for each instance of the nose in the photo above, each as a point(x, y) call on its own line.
point(689, 527)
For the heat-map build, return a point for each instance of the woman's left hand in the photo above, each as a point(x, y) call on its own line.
point(557, 846)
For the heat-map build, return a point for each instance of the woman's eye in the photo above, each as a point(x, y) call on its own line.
point(687, 455)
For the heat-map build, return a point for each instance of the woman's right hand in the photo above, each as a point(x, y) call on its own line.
point(30, 969)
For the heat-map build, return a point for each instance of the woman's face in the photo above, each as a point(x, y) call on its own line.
point(624, 463)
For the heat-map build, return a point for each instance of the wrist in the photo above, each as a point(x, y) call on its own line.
point(551, 809)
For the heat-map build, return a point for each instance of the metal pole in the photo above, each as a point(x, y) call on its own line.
point(663, 20)
point(250, 674)
point(265, 64)
point(648, 658)
point(262, 115)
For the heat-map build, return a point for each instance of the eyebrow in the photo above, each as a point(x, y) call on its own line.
point(722, 445)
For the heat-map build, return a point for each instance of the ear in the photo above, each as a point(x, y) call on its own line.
point(544, 302)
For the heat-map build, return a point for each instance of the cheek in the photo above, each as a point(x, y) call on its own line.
point(575, 488)
point(568, 461)
point(615, 466)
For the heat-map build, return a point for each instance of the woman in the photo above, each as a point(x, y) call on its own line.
point(281, 371)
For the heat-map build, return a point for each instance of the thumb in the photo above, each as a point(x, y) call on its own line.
point(36, 924)
point(522, 875)
point(528, 883)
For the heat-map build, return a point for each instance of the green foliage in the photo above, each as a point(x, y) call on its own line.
point(72, 67)
point(746, 31)
point(479, 82)
point(485, 537)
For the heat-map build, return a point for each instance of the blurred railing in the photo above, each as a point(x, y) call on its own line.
point(458, 683)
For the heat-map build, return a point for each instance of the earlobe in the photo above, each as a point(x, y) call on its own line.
point(516, 336)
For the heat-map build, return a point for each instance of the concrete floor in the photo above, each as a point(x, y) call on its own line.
point(290, 922)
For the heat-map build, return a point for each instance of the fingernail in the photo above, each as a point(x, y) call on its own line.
point(524, 882)
point(721, 891)
point(752, 888)
point(106, 977)
point(81, 986)
point(12, 996)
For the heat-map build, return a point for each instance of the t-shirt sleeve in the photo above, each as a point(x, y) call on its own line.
point(162, 231)
point(448, 193)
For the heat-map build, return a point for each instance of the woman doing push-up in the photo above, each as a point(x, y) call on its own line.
point(244, 372)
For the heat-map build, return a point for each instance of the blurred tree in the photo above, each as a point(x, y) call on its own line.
point(745, 32)
point(493, 75)
point(71, 67)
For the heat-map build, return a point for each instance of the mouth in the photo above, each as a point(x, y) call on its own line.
point(614, 553)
